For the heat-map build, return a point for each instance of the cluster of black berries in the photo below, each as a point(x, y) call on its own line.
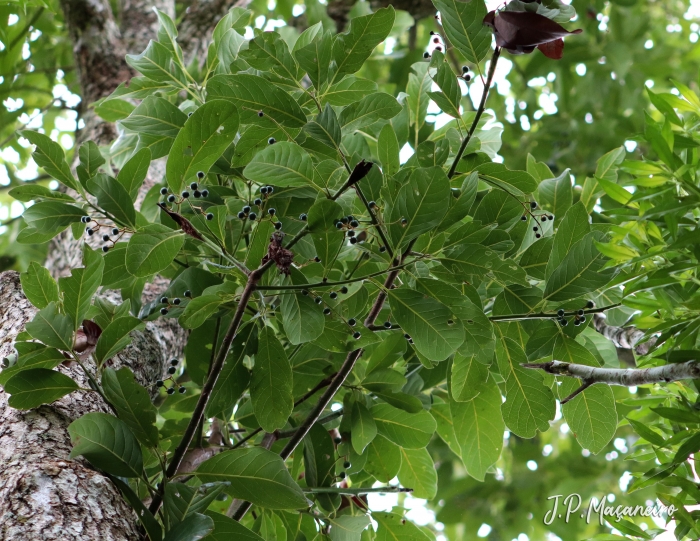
point(176, 301)
point(579, 315)
point(106, 237)
point(436, 40)
point(465, 74)
point(348, 223)
point(408, 337)
point(172, 369)
point(538, 219)
point(196, 192)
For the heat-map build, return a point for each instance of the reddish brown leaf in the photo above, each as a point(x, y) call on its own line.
point(279, 254)
point(183, 222)
point(520, 32)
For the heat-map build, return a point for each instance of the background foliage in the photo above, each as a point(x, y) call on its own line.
point(634, 170)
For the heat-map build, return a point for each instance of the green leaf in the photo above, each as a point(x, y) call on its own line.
point(114, 109)
point(134, 172)
point(352, 48)
point(479, 427)
point(284, 164)
point(132, 402)
point(449, 99)
point(535, 259)
point(115, 275)
point(80, 287)
point(327, 238)
point(52, 328)
point(529, 404)
point(515, 182)
point(422, 202)
point(608, 164)
point(463, 24)
point(348, 91)
point(271, 384)
point(319, 457)
point(107, 443)
point(156, 116)
point(31, 192)
point(467, 377)
point(148, 521)
point(90, 157)
point(38, 285)
point(302, 318)
point(259, 241)
point(252, 94)
point(152, 249)
point(555, 194)
point(408, 430)
point(269, 52)
point(113, 197)
point(49, 216)
point(203, 139)
point(368, 110)
point(348, 528)
point(226, 529)
point(40, 357)
point(115, 337)
point(418, 472)
point(592, 417)
point(325, 128)
point(393, 527)
point(572, 228)
point(194, 527)
point(429, 322)
point(472, 262)
point(198, 311)
point(315, 58)
point(580, 272)
point(418, 90)
point(157, 64)
point(255, 475)
point(140, 88)
point(388, 150)
point(234, 378)
point(383, 459)
point(363, 427)
point(30, 389)
point(50, 156)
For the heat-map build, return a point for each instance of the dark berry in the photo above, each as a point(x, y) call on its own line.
point(577, 322)
point(533, 205)
point(465, 69)
point(304, 292)
point(387, 324)
point(317, 259)
point(354, 223)
point(271, 212)
point(338, 440)
point(432, 33)
point(438, 48)
point(278, 225)
point(382, 249)
point(210, 216)
point(194, 185)
point(356, 335)
point(564, 323)
point(241, 215)
point(263, 190)
point(543, 218)
point(171, 390)
point(205, 193)
point(343, 289)
point(344, 220)
point(372, 204)
point(537, 235)
point(188, 294)
point(172, 370)
point(105, 237)
point(404, 221)
point(89, 231)
point(163, 311)
point(303, 217)
point(197, 194)
point(176, 301)
point(164, 300)
point(333, 295)
point(339, 225)
point(407, 336)
point(246, 209)
point(271, 141)
point(341, 475)
point(436, 40)
point(346, 464)
point(318, 300)
point(260, 114)
point(426, 55)
point(353, 240)
point(590, 304)
point(85, 219)
point(189, 115)
point(583, 319)
point(163, 191)
point(327, 311)
point(551, 217)
point(467, 77)
point(352, 322)
point(159, 383)
point(171, 198)
point(115, 231)
point(523, 217)
point(174, 362)
point(185, 194)
point(535, 228)
point(105, 248)
point(252, 216)
point(182, 390)
point(200, 174)
point(560, 312)
point(257, 202)
point(580, 312)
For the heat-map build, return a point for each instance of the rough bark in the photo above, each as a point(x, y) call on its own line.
point(139, 22)
point(624, 337)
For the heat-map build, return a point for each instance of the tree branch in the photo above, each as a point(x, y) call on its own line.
point(624, 337)
point(551, 315)
point(631, 377)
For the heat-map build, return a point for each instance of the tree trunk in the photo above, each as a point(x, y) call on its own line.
point(43, 493)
